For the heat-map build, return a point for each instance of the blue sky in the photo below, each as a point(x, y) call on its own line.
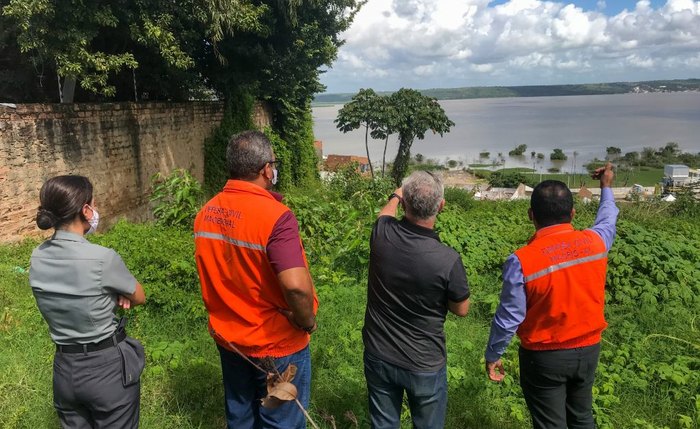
point(451, 43)
point(609, 7)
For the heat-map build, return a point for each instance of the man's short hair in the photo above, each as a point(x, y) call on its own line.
point(422, 194)
point(551, 203)
point(246, 154)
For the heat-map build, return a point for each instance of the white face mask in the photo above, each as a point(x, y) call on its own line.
point(94, 221)
point(274, 176)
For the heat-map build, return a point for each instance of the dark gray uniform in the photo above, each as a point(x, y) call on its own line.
point(76, 284)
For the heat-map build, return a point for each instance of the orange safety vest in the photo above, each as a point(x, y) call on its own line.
point(564, 273)
point(239, 287)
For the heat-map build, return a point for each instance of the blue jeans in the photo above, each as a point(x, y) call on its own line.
point(244, 386)
point(426, 391)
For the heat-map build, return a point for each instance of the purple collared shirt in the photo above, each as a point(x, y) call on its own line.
point(511, 311)
point(284, 249)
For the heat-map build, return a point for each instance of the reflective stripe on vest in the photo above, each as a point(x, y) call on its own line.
point(229, 240)
point(567, 264)
point(240, 288)
point(564, 279)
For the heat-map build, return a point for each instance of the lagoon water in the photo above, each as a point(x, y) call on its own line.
point(582, 124)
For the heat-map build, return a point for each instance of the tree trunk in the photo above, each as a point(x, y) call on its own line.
point(68, 90)
point(402, 157)
point(371, 170)
point(386, 142)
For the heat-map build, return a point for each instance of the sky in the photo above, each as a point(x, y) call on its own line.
point(454, 43)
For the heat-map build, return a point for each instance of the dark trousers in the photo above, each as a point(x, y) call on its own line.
point(89, 388)
point(558, 386)
point(426, 392)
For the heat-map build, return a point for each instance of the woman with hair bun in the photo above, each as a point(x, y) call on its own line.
point(78, 286)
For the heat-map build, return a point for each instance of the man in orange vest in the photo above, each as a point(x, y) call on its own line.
point(553, 296)
point(256, 286)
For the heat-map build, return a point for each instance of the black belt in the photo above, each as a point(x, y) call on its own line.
point(93, 347)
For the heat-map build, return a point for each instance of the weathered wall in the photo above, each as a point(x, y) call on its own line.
point(119, 146)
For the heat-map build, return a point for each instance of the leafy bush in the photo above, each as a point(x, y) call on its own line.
point(176, 198)
point(237, 118)
point(161, 259)
point(510, 179)
point(459, 198)
point(518, 151)
point(687, 203)
point(284, 156)
point(558, 155)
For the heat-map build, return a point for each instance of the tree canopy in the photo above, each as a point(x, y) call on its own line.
point(406, 112)
point(415, 114)
point(149, 49)
point(361, 111)
point(558, 155)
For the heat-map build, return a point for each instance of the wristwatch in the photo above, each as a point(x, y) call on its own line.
point(394, 195)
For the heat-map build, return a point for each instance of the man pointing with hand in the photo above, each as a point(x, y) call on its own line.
point(553, 295)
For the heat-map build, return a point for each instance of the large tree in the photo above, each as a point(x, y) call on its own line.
point(361, 111)
point(415, 114)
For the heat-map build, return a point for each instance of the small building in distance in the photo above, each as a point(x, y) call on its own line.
point(676, 175)
point(334, 162)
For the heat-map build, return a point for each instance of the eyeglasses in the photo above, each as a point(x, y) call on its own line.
point(274, 162)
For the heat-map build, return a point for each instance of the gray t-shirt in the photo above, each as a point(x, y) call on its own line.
point(75, 284)
point(412, 275)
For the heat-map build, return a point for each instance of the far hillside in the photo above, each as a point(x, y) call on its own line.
point(678, 85)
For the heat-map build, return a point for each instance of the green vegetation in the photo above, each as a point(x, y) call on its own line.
point(644, 176)
point(511, 178)
point(176, 198)
point(648, 377)
point(405, 112)
point(133, 51)
point(362, 111)
point(558, 155)
point(519, 150)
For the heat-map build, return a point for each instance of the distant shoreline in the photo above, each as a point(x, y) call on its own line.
point(466, 93)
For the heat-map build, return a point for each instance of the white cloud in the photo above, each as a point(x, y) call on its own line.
point(638, 61)
point(429, 43)
point(425, 70)
point(482, 68)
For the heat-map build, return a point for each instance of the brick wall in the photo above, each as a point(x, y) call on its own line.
point(119, 146)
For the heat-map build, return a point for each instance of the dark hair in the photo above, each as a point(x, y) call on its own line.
point(62, 198)
point(246, 154)
point(551, 203)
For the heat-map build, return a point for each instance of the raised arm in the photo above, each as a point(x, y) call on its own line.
point(607, 210)
point(390, 208)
